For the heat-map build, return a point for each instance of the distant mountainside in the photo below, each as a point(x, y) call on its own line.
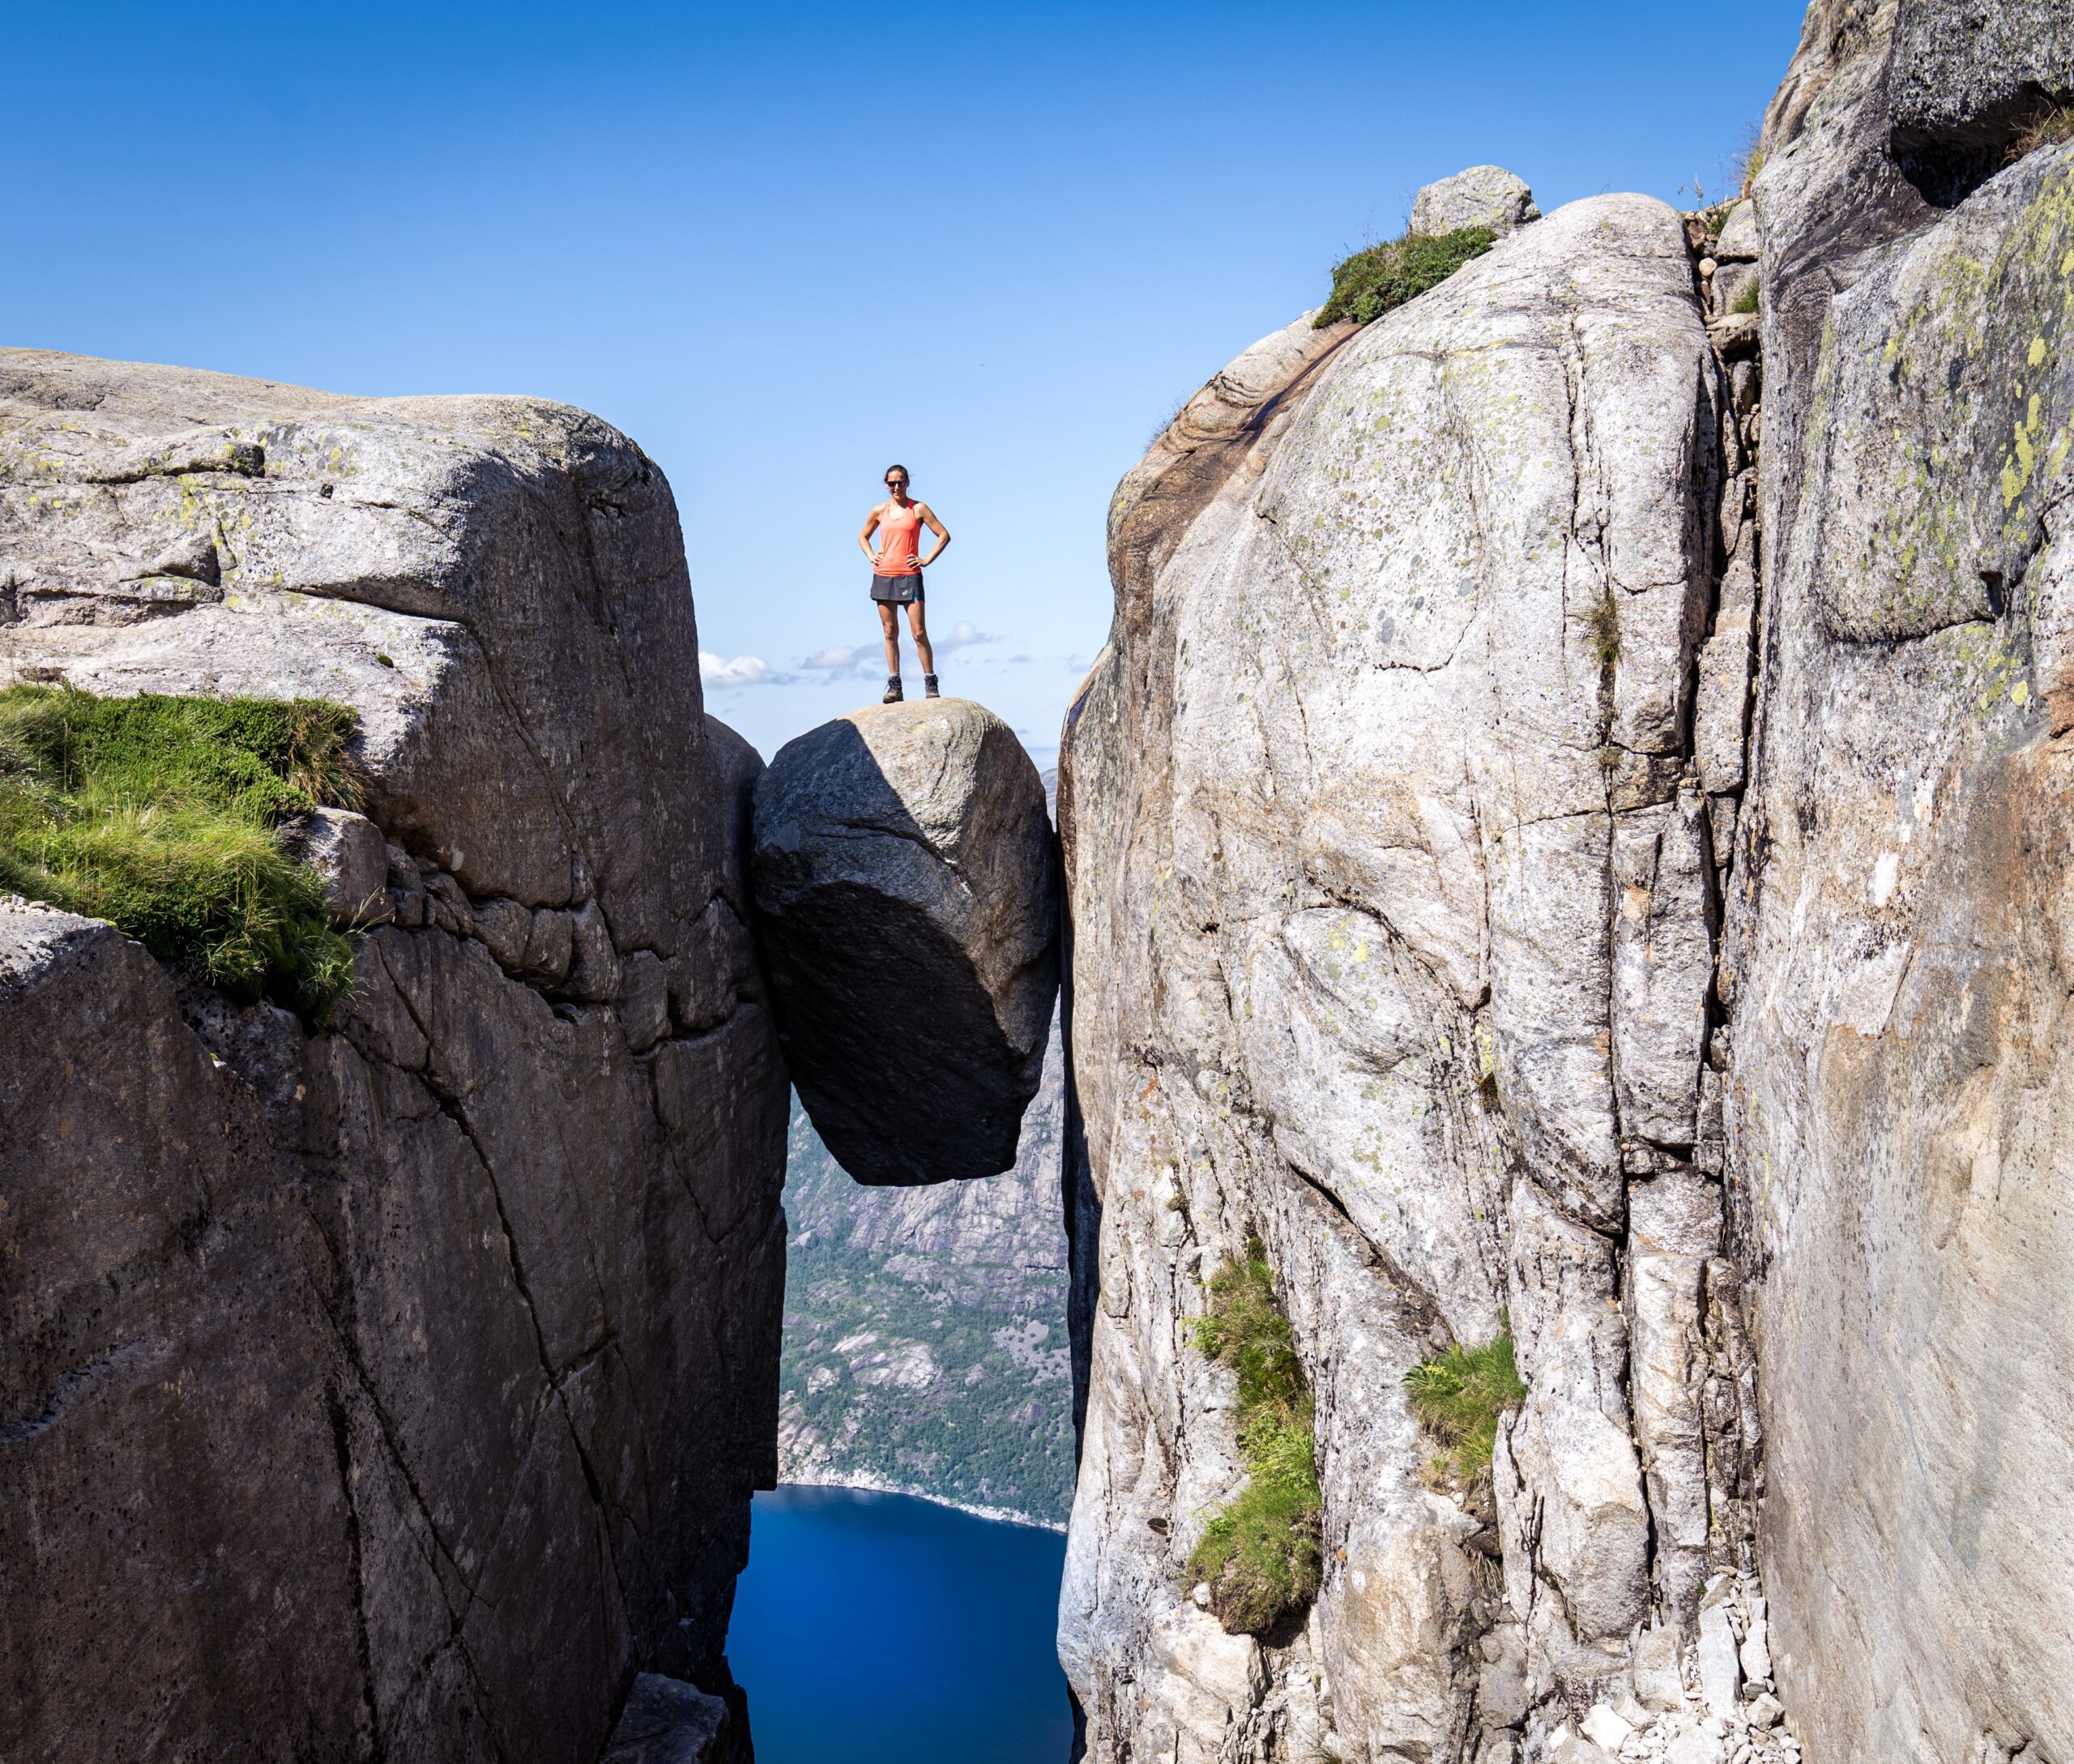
point(925, 1341)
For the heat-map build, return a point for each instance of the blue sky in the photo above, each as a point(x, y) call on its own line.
point(783, 246)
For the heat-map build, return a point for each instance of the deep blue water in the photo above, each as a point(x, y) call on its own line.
point(874, 1629)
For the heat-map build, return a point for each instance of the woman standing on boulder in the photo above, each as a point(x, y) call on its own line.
point(897, 568)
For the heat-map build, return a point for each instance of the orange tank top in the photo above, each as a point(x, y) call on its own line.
point(899, 540)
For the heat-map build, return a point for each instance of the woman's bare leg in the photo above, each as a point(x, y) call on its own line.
point(919, 625)
point(890, 623)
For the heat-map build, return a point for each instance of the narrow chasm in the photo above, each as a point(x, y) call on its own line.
point(905, 872)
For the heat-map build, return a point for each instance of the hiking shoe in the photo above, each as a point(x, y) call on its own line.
point(929, 686)
point(893, 694)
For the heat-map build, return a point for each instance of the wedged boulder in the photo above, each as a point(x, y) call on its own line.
point(907, 900)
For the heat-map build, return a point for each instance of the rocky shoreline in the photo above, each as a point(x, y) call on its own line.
point(868, 1484)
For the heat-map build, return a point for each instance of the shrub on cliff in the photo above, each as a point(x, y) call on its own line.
point(1459, 1396)
point(1384, 277)
point(162, 815)
point(1261, 1555)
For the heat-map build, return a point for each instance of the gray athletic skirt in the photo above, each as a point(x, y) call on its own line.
point(898, 590)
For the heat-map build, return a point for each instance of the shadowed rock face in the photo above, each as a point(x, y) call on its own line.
point(667, 1722)
point(906, 902)
point(395, 1391)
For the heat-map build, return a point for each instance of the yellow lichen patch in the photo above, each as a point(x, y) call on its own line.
point(1986, 668)
point(1487, 1053)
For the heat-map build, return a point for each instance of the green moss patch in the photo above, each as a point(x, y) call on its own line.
point(1459, 1397)
point(1384, 277)
point(164, 815)
point(1261, 1555)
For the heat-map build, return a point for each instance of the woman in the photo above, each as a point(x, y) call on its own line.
point(897, 568)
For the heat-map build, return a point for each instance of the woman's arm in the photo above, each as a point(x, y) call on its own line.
point(864, 537)
point(937, 527)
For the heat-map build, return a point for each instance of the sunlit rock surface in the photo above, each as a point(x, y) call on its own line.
point(1392, 940)
point(1570, 819)
point(1899, 946)
point(1482, 196)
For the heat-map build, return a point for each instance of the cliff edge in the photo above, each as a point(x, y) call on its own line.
point(1563, 851)
point(391, 1384)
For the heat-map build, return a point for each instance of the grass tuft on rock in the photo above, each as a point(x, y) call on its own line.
point(1262, 1555)
point(1384, 277)
point(1603, 621)
point(1746, 300)
point(1459, 1396)
point(2048, 128)
point(163, 815)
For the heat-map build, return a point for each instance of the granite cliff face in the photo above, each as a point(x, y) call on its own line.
point(397, 1390)
point(1381, 792)
point(1898, 952)
point(1565, 829)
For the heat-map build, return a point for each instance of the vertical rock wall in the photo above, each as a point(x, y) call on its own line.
point(395, 1390)
point(1572, 821)
point(1898, 947)
point(1392, 868)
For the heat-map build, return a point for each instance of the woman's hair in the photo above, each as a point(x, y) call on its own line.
point(902, 470)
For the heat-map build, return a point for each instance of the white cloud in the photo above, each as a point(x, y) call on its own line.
point(739, 671)
point(866, 658)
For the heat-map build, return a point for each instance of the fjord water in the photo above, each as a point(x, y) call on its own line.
point(880, 1629)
